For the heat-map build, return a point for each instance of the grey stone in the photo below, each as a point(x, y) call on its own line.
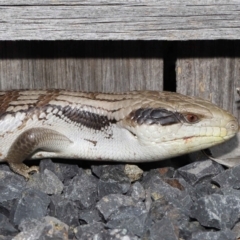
point(157, 211)
point(155, 184)
point(27, 224)
point(181, 222)
point(89, 216)
point(236, 230)
point(137, 192)
point(4, 211)
point(63, 171)
point(229, 178)
point(189, 228)
point(100, 232)
point(99, 170)
point(11, 185)
point(116, 234)
point(186, 186)
point(113, 181)
point(82, 189)
point(217, 211)
point(148, 200)
point(230, 191)
point(88, 231)
point(226, 234)
point(200, 189)
point(5, 167)
point(162, 229)
point(112, 202)
point(45, 229)
point(159, 188)
point(130, 218)
point(6, 228)
point(200, 170)
point(205, 188)
point(65, 210)
point(5, 238)
point(47, 182)
point(32, 204)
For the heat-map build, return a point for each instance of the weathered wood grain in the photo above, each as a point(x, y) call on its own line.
point(113, 2)
point(210, 70)
point(119, 20)
point(84, 66)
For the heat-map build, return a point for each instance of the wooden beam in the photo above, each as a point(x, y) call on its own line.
point(84, 66)
point(119, 20)
point(210, 70)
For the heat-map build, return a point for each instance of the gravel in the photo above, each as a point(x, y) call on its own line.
point(200, 200)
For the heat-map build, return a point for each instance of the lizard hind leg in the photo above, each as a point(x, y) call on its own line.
point(31, 141)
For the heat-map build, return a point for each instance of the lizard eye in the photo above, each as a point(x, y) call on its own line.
point(191, 118)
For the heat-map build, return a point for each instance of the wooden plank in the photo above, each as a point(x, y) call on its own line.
point(84, 66)
point(211, 70)
point(113, 2)
point(119, 20)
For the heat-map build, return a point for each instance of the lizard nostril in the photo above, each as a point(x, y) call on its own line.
point(232, 126)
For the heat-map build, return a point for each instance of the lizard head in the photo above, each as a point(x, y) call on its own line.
point(174, 124)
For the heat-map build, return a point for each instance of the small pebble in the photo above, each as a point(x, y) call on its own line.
point(133, 172)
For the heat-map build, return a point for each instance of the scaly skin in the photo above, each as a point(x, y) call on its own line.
point(130, 127)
